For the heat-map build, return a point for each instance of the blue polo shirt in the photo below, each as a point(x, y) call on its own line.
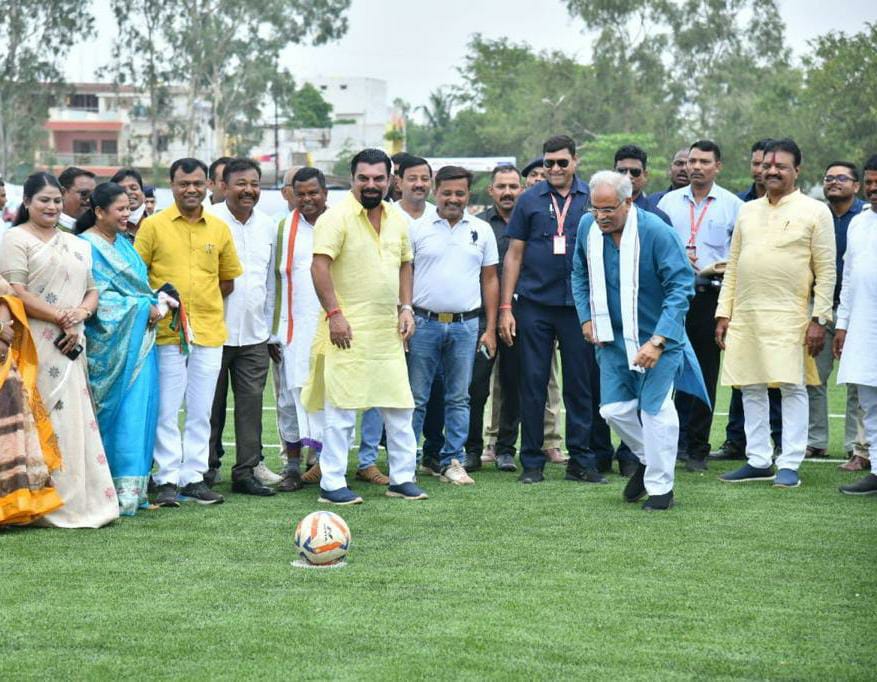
point(545, 277)
point(841, 224)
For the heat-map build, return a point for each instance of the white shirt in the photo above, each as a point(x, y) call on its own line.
point(448, 262)
point(713, 240)
point(67, 223)
point(245, 306)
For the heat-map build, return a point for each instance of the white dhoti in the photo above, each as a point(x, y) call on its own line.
point(654, 440)
point(756, 414)
point(868, 403)
point(298, 428)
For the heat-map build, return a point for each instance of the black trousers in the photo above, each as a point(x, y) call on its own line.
point(246, 368)
point(700, 325)
point(479, 391)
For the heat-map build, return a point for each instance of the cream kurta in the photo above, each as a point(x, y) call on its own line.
point(365, 273)
point(779, 255)
point(858, 302)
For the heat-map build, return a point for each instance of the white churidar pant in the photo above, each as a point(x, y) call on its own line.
point(868, 403)
point(756, 414)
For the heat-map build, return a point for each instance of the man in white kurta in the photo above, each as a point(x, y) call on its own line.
point(293, 310)
point(782, 252)
point(856, 326)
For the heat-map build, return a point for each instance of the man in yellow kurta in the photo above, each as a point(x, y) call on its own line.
point(782, 253)
point(363, 277)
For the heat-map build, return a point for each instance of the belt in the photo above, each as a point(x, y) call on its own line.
point(447, 317)
point(706, 283)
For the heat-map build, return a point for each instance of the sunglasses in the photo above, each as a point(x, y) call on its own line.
point(837, 178)
point(561, 163)
point(634, 172)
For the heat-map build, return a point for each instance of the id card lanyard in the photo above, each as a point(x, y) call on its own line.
point(560, 238)
point(695, 225)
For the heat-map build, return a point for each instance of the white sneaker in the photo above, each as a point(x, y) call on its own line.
point(456, 474)
point(265, 476)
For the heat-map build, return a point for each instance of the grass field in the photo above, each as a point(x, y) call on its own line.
point(495, 581)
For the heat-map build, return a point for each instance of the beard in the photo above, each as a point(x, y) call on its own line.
point(370, 199)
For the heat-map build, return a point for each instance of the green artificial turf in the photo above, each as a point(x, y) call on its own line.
point(495, 581)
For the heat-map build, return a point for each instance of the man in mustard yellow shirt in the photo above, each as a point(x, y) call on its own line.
point(361, 270)
point(193, 251)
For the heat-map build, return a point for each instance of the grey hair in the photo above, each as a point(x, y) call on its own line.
point(617, 181)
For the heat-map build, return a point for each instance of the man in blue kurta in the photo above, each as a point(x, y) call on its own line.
point(632, 284)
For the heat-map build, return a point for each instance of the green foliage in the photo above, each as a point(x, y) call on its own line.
point(309, 109)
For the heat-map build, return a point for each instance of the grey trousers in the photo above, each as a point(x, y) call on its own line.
point(246, 369)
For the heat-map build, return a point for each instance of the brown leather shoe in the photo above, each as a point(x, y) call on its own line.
point(291, 481)
point(555, 456)
point(856, 463)
point(312, 475)
point(815, 453)
point(371, 474)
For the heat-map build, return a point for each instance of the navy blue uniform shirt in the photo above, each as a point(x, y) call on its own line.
point(841, 225)
point(645, 203)
point(545, 277)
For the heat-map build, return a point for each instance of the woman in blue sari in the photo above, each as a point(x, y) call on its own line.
point(122, 364)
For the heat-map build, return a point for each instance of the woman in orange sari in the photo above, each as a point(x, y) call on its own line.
point(28, 447)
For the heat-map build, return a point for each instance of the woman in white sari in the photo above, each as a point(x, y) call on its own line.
point(50, 271)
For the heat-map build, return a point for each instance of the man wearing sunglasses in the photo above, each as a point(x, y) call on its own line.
point(632, 161)
point(537, 269)
point(77, 184)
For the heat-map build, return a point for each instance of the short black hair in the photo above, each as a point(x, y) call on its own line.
point(305, 174)
point(631, 151)
point(559, 142)
point(188, 165)
point(707, 146)
point(123, 173)
point(238, 165)
point(760, 145)
point(504, 168)
point(845, 164)
point(149, 192)
point(371, 156)
point(68, 176)
point(2, 184)
point(871, 163)
point(397, 159)
point(411, 161)
point(211, 172)
point(446, 173)
point(786, 144)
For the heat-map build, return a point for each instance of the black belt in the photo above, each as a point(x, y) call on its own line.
point(707, 283)
point(447, 317)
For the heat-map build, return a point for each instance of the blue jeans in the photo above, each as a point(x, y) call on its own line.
point(448, 347)
point(370, 430)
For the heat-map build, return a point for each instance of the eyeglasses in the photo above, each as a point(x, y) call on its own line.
point(634, 172)
point(84, 194)
point(562, 163)
point(828, 179)
point(594, 211)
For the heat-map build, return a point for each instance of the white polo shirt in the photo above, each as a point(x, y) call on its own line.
point(448, 262)
point(245, 306)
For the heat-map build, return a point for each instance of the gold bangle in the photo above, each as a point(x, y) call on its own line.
point(88, 313)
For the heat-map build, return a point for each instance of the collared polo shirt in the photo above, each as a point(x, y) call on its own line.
point(713, 239)
point(245, 306)
point(645, 203)
point(544, 276)
point(193, 257)
point(448, 262)
point(841, 226)
point(748, 194)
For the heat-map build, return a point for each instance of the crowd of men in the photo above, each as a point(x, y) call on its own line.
point(414, 313)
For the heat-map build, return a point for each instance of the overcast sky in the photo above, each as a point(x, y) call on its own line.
point(417, 46)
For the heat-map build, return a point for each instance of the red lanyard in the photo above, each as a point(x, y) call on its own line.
point(290, 254)
point(695, 226)
point(561, 215)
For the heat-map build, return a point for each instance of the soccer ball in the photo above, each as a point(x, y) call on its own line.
point(322, 538)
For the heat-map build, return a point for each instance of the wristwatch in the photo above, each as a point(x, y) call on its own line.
point(658, 341)
point(407, 307)
point(821, 321)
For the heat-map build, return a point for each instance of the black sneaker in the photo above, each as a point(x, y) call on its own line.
point(729, 450)
point(636, 488)
point(212, 477)
point(583, 475)
point(628, 467)
point(472, 462)
point(152, 486)
point(166, 495)
point(864, 486)
point(531, 476)
point(659, 502)
point(430, 466)
point(506, 462)
point(250, 486)
point(200, 493)
point(695, 465)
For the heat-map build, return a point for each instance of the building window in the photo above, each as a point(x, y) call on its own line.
point(84, 146)
point(163, 143)
point(109, 147)
point(82, 102)
point(344, 86)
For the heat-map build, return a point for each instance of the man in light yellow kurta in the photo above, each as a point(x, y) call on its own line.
point(782, 253)
point(362, 272)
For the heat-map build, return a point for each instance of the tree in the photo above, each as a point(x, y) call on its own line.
point(309, 109)
point(35, 37)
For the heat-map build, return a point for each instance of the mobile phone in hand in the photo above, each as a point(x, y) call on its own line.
point(73, 354)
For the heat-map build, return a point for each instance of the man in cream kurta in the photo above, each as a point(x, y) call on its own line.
point(782, 251)
point(856, 326)
point(361, 271)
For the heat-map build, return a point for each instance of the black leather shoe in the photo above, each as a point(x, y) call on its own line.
point(250, 486)
point(291, 481)
point(728, 450)
point(583, 475)
point(604, 466)
point(211, 477)
point(659, 502)
point(472, 462)
point(506, 462)
point(627, 467)
point(695, 465)
point(636, 487)
point(531, 476)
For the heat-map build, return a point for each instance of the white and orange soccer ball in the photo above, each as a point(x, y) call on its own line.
point(322, 538)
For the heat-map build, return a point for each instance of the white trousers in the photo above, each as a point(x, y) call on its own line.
point(653, 440)
point(287, 415)
point(338, 431)
point(868, 403)
point(182, 459)
point(756, 415)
